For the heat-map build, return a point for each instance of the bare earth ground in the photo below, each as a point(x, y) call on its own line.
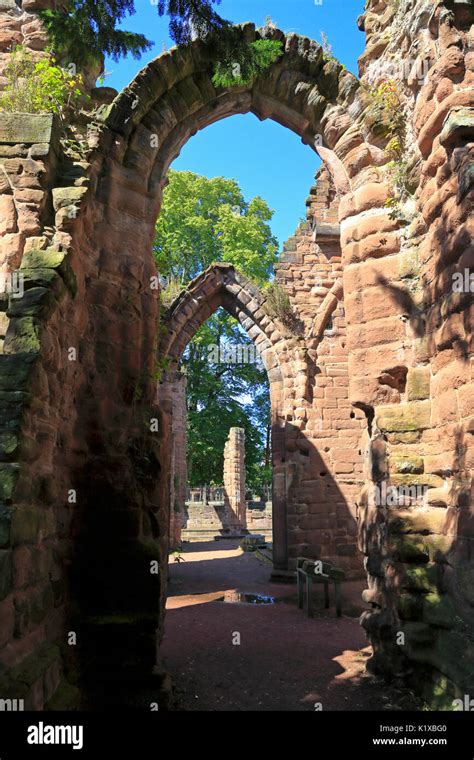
point(284, 662)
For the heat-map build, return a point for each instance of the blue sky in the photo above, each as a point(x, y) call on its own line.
point(264, 157)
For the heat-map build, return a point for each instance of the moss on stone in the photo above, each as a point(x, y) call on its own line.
point(418, 383)
point(22, 336)
point(5, 525)
point(35, 302)
point(407, 463)
point(8, 479)
point(423, 480)
point(41, 278)
point(439, 611)
point(404, 417)
point(39, 259)
point(15, 371)
point(421, 578)
point(8, 444)
point(409, 550)
point(409, 606)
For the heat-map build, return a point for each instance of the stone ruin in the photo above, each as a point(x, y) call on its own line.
point(234, 476)
point(214, 512)
point(220, 512)
point(370, 365)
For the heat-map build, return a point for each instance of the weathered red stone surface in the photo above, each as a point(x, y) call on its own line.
point(371, 380)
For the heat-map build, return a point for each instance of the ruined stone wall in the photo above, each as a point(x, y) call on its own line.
point(410, 343)
point(21, 26)
point(86, 436)
point(324, 444)
point(259, 518)
point(234, 475)
point(179, 469)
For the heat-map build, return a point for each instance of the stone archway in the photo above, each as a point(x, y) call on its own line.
point(79, 459)
point(222, 285)
point(91, 349)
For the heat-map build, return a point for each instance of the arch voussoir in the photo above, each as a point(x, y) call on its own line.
point(219, 285)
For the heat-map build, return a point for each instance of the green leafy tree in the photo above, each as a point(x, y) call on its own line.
point(222, 395)
point(205, 221)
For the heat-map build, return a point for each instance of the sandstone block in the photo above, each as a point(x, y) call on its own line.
point(26, 128)
point(414, 415)
point(25, 524)
point(407, 463)
point(7, 215)
point(418, 384)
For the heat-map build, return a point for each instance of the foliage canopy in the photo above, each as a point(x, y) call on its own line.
point(203, 221)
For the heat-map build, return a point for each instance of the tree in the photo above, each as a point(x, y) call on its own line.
point(88, 29)
point(192, 18)
point(207, 220)
point(238, 61)
point(221, 395)
point(204, 221)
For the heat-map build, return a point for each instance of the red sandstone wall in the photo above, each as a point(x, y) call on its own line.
point(85, 424)
point(325, 470)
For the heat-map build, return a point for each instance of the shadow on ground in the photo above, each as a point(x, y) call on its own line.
point(263, 657)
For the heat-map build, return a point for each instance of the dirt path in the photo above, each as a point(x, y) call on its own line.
point(284, 660)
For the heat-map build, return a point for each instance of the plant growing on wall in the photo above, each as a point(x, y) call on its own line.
point(170, 291)
point(277, 304)
point(387, 103)
point(328, 54)
point(39, 87)
point(245, 63)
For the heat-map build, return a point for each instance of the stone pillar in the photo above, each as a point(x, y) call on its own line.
point(234, 475)
point(179, 474)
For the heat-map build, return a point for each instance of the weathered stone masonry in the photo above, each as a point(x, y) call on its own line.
point(84, 476)
point(234, 475)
